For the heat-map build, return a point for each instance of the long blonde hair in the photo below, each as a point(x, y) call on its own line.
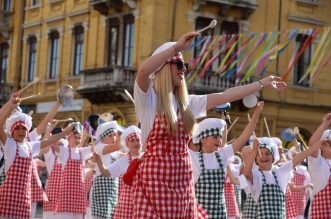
point(164, 89)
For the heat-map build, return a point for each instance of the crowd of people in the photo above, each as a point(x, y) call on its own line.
point(168, 166)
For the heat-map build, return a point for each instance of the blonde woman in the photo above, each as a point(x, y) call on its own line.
point(163, 185)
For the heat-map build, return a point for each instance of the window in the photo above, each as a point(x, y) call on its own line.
point(3, 62)
point(6, 5)
point(303, 62)
point(54, 54)
point(228, 28)
point(78, 50)
point(34, 2)
point(128, 40)
point(200, 23)
point(32, 58)
point(114, 27)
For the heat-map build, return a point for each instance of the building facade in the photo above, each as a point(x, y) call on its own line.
point(97, 45)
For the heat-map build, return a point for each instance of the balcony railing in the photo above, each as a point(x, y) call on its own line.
point(106, 84)
point(236, 3)
point(103, 6)
point(211, 84)
point(5, 23)
point(247, 7)
point(108, 76)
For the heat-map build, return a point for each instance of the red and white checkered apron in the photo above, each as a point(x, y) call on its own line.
point(15, 192)
point(53, 187)
point(87, 185)
point(124, 206)
point(163, 186)
point(298, 199)
point(321, 206)
point(37, 192)
point(290, 206)
point(232, 209)
point(72, 191)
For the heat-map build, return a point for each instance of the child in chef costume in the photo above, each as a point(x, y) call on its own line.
point(319, 167)
point(268, 183)
point(71, 202)
point(15, 193)
point(209, 165)
point(131, 142)
point(104, 191)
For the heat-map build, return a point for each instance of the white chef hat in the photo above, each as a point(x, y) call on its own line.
point(177, 56)
point(277, 140)
point(16, 119)
point(208, 127)
point(105, 129)
point(131, 132)
point(326, 135)
point(268, 143)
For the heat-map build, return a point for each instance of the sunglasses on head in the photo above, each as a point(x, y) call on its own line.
point(180, 65)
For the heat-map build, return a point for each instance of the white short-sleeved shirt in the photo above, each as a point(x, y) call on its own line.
point(300, 169)
point(23, 149)
point(319, 170)
point(50, 160)
point(210, 160)
point(235, 169)
point(146, 104)
point(107, 159)
point(119, 167)
point(34, 135)
point(63, 155)
point(283, 174)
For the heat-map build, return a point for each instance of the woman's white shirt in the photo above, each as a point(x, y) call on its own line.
point(146, 104)
point(24, 149)
point(319, 170)
point(283, 174)
point(210, 161)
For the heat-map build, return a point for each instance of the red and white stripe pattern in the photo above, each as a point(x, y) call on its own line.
point(163, 186)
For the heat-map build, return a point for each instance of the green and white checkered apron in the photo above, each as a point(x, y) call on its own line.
point(250, 208)
point(104, 196)
point(271, 202)
point(209, 189)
